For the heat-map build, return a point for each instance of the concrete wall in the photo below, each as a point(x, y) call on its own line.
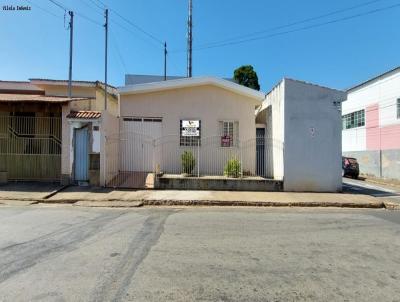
point(207, 103)
point(312, 131)
point(369, 161)
point(109, 146)
point(65, 146)
point(378, 163)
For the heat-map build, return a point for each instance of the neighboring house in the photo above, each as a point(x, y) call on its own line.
point(306, 118)
point(371, 125)
point(134, 79)
point(40, 125)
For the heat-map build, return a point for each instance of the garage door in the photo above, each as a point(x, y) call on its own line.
point(137, 138)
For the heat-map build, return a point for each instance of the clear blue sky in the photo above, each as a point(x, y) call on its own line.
point(35, 43)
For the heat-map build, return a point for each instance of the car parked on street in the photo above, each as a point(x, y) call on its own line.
point(350, 167)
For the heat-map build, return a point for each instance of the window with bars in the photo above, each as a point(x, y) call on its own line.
point(189, 141)
point(354, 119)
point(229, 131)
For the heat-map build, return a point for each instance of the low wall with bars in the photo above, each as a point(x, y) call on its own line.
point(129, 155)
point(176, 182)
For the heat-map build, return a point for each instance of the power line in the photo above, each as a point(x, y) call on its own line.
point(58, 5)
point(131, 32)
point(137, 27)
point(43, 9)
point(295, 30)
point(97, 5)
point(64, 8)
point(294, 23)
point(99, 11)
point(119, 55)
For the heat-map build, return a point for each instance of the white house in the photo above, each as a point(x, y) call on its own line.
point(371, 125)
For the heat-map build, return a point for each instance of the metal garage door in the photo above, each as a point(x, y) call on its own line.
point(137, 142)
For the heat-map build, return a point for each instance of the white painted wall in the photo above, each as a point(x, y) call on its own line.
point(109, 146)
point(354, 139)
point(275, 127)
point(312, 136)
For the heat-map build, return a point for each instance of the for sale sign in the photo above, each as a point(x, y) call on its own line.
point(190, 128)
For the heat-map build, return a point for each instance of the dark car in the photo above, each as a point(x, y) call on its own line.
point(350, 167)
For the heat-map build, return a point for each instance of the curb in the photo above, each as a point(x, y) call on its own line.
point(52, 193)
point(377, 205)
point(392, 206)
point(114, 203)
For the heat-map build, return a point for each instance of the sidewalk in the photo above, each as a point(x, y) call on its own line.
point(103, 197)
point(120, 198)
point(27, 191)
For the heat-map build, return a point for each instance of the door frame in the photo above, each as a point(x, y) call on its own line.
point(75, 149)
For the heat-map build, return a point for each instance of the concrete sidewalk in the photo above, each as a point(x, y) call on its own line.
point(28, 191)
point(103, 197)
point(124, 198)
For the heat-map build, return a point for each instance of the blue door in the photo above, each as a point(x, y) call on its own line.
point(260, 151)
point(81, 154)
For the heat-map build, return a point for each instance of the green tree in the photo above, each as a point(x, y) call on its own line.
point(245, 75)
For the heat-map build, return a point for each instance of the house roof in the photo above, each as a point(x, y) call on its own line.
point(65, 82)
point(191, 82)
point(382, 75)
point(88, 115)
point(19, 87)
point(5, 97)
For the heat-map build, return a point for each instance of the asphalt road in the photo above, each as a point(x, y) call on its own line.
point(66, 253)
point(358, 186)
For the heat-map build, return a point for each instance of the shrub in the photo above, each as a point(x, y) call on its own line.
point(188, 162)
point(232, 168)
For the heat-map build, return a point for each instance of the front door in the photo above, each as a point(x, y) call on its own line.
point(260, 151)
point(81, 154)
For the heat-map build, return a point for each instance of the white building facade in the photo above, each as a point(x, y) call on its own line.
point(371, 125)
point(306, 117)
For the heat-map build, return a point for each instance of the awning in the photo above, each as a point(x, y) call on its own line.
point(4, 97)
point(87, 115)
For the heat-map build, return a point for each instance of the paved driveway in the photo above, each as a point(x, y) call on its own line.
point(358, 186)
point(65, 253)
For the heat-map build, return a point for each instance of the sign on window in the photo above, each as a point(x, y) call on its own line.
point(190, 128)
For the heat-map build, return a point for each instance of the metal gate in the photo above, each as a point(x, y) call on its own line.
point(30, 147)
point(130, 162)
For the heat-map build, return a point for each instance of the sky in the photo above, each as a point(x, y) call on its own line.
point(338, 50)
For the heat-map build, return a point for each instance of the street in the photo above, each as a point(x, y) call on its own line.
point(357, 186)
point(67, 253)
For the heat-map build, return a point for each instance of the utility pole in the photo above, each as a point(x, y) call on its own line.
point(71, 34)
point(190, 42)
point(165, 61)
point(105, 63)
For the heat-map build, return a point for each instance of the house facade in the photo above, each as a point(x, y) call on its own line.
point(208, 118)
point(371, 125)
point(38, 125)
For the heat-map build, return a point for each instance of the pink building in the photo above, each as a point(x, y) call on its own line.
point(371, 125)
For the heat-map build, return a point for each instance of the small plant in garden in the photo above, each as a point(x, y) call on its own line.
point(188, 162)
point(232, 168)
